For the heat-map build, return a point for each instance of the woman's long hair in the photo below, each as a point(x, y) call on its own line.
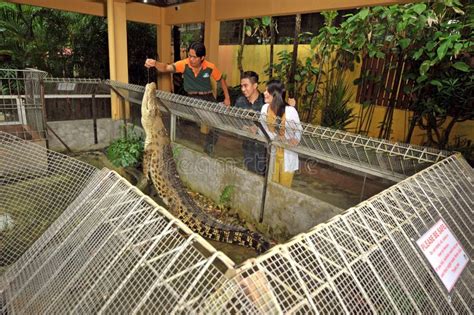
point(277, 89)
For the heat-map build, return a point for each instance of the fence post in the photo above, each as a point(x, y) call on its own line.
point(172, 127)
point(43, 110)
point(94, 115)
point(268, 170)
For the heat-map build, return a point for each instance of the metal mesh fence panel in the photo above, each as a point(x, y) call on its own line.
point(113, 250)
point(366, 260)
point(21, 111)
point(74, 86)
point(36, 186)
point(370, 155)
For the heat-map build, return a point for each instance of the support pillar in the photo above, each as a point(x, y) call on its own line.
point(118, 56)
point(211, 32)
point(164, 51)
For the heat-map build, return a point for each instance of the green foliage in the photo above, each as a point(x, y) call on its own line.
point(176, 152)
point(336, 112)
point(35, 37)
point(318, 71)
point(126, 151)
point(68, 44)
point(141, 43)
point(90, 46)
point(305, 77)
point(436, 39)
point(259, 28)
point(226, 195)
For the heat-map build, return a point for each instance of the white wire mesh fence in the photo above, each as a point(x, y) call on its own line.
point(366, 260)
point(21, 110)
point(373, 156)
point(36, 186)
point(74, 86)
point(114, 250)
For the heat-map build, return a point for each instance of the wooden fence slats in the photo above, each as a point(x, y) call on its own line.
point(383, 83)
point(76, 109)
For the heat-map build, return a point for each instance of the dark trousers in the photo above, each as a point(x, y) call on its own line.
point(255, 156)
point(213, 135)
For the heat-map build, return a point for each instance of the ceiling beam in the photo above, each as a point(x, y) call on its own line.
point(236, 10)
point(136, 12)
point(190, 12)
point(76, 6)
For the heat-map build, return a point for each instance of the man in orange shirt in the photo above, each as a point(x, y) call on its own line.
point(197, 73)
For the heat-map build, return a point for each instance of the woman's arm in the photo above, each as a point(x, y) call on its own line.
point(293, 126)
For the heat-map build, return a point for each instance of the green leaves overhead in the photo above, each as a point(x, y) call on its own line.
point(443, 49)
point(419, 8)
point(462, 66)
point(362, 15)
point(404, 43)
point(266, 20)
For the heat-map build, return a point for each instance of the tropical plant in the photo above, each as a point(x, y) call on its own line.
point(141, 43)
point(336, 112)
point(35, 37)
point(304, 79)
point(436, 42)
point(259, 28)
point(90, 46)
point(127, 151)
point(226, 195)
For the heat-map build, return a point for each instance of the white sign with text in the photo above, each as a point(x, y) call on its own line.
point(444, 252)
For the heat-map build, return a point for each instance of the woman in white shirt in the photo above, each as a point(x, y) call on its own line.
point(282, 122)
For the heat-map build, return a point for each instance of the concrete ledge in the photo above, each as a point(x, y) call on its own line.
point(287, 212)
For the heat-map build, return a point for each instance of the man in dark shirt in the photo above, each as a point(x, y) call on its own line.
point(197, 73)
point(254, 152)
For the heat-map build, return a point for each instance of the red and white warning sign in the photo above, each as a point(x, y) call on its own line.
point(444, 252)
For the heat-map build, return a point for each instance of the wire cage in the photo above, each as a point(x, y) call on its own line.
point(21, 106)
point(378, 157)
point(113, 250)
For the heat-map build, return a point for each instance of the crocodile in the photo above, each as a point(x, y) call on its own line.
point(159, 166)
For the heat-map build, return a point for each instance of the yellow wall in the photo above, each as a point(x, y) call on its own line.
point(256, 58)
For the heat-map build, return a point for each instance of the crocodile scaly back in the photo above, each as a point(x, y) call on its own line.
point(160, 167)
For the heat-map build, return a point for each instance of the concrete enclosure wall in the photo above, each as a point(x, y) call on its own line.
point(79, 134)
point(287, 212)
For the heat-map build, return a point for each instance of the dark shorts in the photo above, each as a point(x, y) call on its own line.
point(255, 156)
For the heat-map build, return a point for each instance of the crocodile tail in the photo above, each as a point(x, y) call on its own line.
point(146, 162)
point(259, 243)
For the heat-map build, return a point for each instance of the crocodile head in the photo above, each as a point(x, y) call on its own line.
point(152, 121)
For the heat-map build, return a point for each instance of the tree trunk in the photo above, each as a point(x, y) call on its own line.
point(411, 128)
point(240, 53)
point(291, 82)
point(272, 44)
point(176, 43)
point(444, 141)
